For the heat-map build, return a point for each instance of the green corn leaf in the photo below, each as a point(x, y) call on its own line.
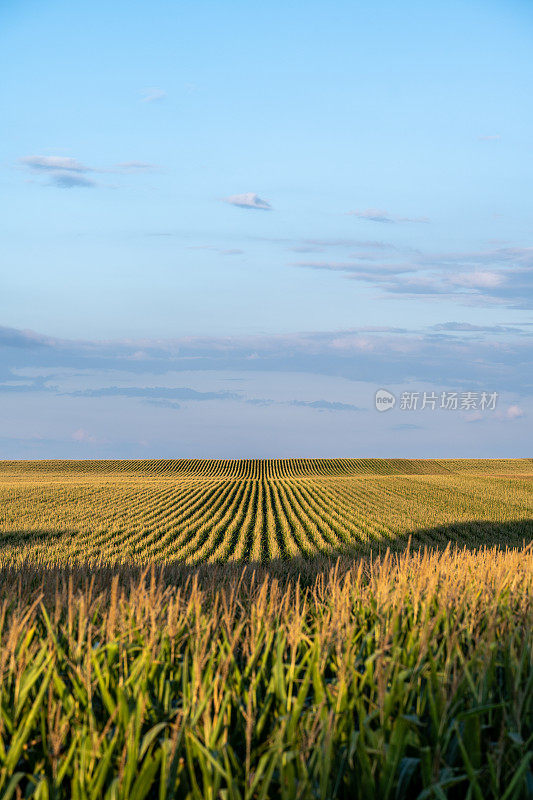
point(22, 733)
point(519, 778)
point(145, 779)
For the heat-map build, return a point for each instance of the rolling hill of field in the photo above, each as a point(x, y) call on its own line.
point(196, 511)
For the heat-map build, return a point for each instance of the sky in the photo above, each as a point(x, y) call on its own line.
point(227, 225)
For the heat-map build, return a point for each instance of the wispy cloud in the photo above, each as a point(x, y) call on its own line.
point(469, 358)
point(53, 163)
point(65, 172)
point(231, 251)
point(314, 405)
point(13, 337)
point(503, 276)
point(112, 397)
point(325, 405)
point(154, 392)
point(377, 215)
point(62, 171)
point(132, 167)
point(468, 327)
point(81, 435)
point(514, 412)
point(152, 95)
point(367, 244)
point(248, 200)
point(495, 137)
point(66, 180)
point(480, 279)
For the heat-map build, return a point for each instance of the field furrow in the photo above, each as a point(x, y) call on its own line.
point(198, 510)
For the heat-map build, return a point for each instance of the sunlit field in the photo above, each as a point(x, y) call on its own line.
point(266, 629)
point(196, 511)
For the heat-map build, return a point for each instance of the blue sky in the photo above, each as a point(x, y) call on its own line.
point(303, 202)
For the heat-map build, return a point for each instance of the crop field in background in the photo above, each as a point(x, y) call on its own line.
point(247, 630)
point(61, 512)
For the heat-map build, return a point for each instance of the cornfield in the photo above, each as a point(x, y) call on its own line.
point(216, 511)
point(282, 629)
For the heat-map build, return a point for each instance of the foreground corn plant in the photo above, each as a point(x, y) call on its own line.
point(395, 677)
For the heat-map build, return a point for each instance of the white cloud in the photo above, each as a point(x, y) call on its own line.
point(514, 412)
point(67, 173)
point(377, 215)
point(479, 280)
point(477, 363)
point(248, 200)
point(358, 343)
point(467, 327)
point(47, 163)
point(495, 137)
point(233, 251)
point(501, 276)
point(153, 94)
point(68, 180)
point(132, 166)
point(81, 435)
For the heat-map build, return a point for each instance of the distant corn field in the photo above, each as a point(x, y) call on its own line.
point(195, 511)
point(246, 630)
